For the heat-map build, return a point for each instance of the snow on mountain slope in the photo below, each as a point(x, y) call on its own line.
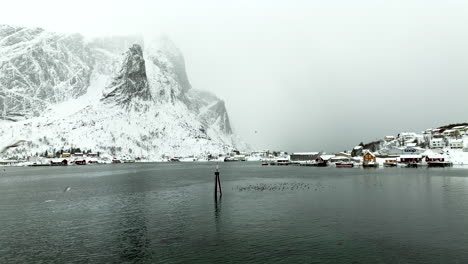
point(131, 81)
point(40, 68)
point(138, 104)
point(166, 70)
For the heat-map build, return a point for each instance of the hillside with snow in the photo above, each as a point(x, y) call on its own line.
point(448, 141)
point(124, 96)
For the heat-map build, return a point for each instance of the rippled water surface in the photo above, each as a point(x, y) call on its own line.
point(166, 213)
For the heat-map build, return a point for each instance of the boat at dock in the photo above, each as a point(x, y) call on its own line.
point(370, 165)
point(390, 163)
point(79, 162)
point(344, 165)
point(440, 164)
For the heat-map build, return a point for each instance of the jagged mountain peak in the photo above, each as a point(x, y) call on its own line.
point(131, 81)
point(166, 70)
point(123, 96)
point(162, 44)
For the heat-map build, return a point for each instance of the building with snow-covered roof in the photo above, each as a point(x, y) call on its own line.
point(408, 136)
point(427, 131)
point(402, 150)
point(410, 159)
point(369, 157)
point(304, 156)
point(456, 144)
point(437, 143)
point(435, 157)
point(343, 154)
point(448, 132)
point(463, 131)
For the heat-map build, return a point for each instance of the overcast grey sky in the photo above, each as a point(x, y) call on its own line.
point(307, 75)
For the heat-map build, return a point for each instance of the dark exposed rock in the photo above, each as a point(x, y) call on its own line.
point(40, 68)
point(131, 82)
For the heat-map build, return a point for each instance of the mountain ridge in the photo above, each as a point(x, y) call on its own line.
point(136, 103)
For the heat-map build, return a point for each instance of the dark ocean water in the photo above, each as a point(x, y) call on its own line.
point(166, 213)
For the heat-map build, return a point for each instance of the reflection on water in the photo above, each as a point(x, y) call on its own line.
point(133, 238)
point(217, 213)
point(166, 213)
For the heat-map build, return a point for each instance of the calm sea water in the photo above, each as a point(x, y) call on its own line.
point(166, 213)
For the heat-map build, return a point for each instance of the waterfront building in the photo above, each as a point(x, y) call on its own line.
point(304, 156)
point(410, 159)
point(402, 150)
point(369, 157)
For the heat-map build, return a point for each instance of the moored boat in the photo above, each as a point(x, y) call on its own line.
point(370, 165)
point(344, 164)
point(80, 162)
point(439, 164)
point(390, 163)
point(412, 165)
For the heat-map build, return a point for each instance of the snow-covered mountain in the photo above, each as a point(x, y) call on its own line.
point(40, 68)
point(121, 96)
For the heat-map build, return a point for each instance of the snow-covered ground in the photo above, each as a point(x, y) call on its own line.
point(140, 104)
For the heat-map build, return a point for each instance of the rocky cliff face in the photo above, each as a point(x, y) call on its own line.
point(40, 68)
point(131, 82)
point(65, 92)
point(166, 71)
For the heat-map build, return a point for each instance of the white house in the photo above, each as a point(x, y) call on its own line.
point(448, 132)
point(456, 143)
point(408, 136)
point(437, 143)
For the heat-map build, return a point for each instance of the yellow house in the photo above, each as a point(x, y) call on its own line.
point(65, 155)
point(368, 157)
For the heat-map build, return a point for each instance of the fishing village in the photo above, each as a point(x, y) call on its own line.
point(440, 147)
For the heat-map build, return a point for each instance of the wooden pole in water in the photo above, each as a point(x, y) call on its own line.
point(216, 185)
point(217, 182)
point(220, 191)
